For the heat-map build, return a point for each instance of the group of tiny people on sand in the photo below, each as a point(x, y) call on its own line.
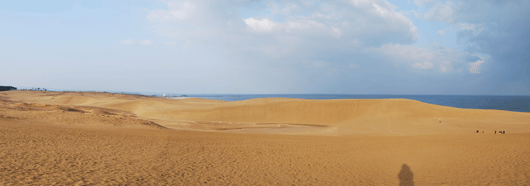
point(500, 132)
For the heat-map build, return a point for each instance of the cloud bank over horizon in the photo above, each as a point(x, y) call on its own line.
point(346, 47)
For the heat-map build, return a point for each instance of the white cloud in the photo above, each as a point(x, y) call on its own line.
point(305, 25)
point(336, 32)
point(418, 15)
point(441, 12)
point(474, 68)
point(177, 11)
point(497, 29)
point(410, 53)
point(286, 9)
point(270, 50)
point(169, 43)
point(369, 23)
point(132, 42)
point(288, 36)
point(146, 42)
point(443, 68)
point(298, 31)
point(474, 28)
point(410, 13)
point(424, 65)
point(263, 25)
point(421, 2)
point(127, 42)
point(425, 59)
point(318, 64)
point(289, 29)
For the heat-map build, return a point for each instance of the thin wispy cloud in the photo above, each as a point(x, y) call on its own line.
point(146, 42)
point(474, 67)
point(127, 42)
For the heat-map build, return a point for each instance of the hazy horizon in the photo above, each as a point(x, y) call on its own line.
point(379, 47)
point(211, 94)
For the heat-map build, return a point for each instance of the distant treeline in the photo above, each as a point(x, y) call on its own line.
point(6, 88)
point(36, 89)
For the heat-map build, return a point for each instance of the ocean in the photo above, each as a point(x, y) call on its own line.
point(508, 103)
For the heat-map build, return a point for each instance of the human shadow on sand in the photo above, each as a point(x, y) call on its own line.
point(406, 178)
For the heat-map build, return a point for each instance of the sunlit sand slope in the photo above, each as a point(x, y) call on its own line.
point(393, 116)
point(295, 116)
point(56, 138)
point(58, 155)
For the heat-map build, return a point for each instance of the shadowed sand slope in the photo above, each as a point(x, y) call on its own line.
point(294, 116)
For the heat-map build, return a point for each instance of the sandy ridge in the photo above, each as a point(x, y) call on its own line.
point(88, 138)
point(290, 116)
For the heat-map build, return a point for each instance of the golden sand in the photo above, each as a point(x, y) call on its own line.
point(88, 138)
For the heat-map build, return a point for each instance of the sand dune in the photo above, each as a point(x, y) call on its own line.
point(87, 138)
point(294, 116)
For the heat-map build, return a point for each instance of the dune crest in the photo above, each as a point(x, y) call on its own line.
point(70, 115)
point(291, 116)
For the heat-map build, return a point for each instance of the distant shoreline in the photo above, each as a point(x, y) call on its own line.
point(516, 103)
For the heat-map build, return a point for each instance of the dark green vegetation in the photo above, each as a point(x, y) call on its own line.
point(6, 88)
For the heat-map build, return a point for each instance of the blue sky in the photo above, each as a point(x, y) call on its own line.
point(260, 47)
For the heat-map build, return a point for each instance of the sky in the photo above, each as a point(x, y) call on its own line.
point(476, 47)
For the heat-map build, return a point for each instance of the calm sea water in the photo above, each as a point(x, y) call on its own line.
point(509, 103)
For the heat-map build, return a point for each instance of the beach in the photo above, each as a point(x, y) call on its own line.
point(94, 138)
